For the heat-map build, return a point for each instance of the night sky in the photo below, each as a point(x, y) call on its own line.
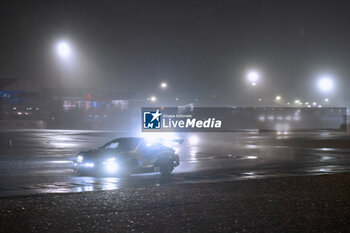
point(199, 47)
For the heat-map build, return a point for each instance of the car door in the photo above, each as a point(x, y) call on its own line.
point(148, 154)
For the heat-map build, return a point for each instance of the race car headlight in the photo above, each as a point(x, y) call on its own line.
point(89, 165)
point(80, 158)
point(111, 165)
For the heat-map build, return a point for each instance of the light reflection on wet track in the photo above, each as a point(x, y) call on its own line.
point(40, 161)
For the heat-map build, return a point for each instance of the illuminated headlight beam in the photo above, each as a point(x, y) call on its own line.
point(80, 159)
point(90, 165)
point(111, 165)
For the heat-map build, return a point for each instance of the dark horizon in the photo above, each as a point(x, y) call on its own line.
point(199, 48)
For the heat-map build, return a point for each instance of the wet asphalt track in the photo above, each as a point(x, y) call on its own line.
point(39, 161)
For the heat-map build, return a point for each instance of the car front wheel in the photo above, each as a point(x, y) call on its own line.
point(166, 170)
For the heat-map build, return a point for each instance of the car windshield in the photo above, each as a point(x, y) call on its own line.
point(112, 145)
point(124, 144)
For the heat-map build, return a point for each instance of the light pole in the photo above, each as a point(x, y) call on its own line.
point(163, 85)
point(278, 100)
point(253, 77)
point(64, 53)
point(64, 50)
point(325, 84)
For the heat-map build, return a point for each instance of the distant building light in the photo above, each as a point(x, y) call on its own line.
point(261, 118)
